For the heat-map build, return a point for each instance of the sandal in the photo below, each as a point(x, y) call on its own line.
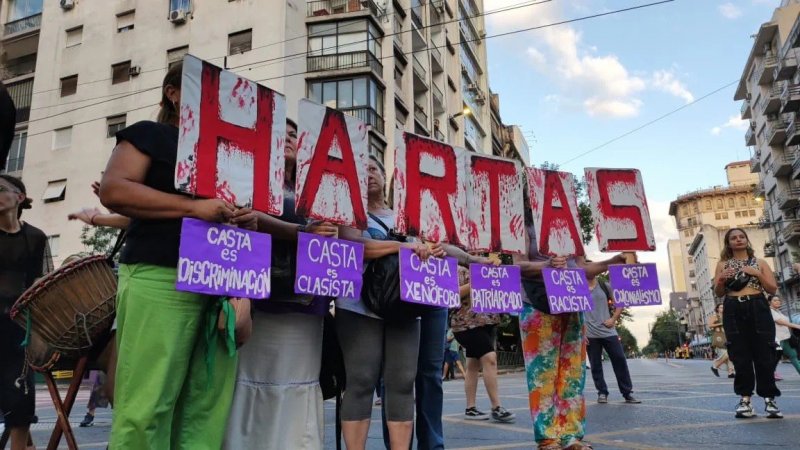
point(578, 445)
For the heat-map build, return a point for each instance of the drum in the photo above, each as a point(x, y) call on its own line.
point(70, 307)
point(41, 357)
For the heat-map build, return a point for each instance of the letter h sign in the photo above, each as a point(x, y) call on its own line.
point(231, 138)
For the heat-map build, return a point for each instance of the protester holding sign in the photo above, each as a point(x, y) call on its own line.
point(478, 334)
point(278, 402)
point(742, 279)
point(175, 380)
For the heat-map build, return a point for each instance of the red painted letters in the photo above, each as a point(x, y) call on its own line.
point(494, 170)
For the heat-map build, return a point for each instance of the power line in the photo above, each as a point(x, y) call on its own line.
point(92, 120)
point(647, 124)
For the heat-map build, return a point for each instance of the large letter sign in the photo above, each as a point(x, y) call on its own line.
point(619, 208)
point(495, 204)
point(430, 189)
point(332, 162)
point(555, 212)
point(231, 139)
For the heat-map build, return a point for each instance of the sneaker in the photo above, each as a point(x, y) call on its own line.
point(378, 402)
point(500, 414)
point(474, 414)
point(744, 410)
point(715, 371)
point(778, 377)
point(772, 409)
point(602, 398)
point(731, 375)
point(88, 421)
point(632, 399)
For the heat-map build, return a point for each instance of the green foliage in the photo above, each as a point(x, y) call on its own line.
point(665, 334)
point(98, 240)
point(584, 210)
point(628, 340)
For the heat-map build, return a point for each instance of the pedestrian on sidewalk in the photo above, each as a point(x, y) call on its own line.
point(478, 334)
point(602, 333)
point(452, 358)
point(783, 334)
point(719, 341)
point(742, 279)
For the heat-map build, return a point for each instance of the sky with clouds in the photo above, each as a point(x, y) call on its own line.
point(576, 86)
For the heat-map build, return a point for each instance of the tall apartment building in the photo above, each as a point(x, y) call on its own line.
point(697, 213)
point(81, 70)
point(769, 89)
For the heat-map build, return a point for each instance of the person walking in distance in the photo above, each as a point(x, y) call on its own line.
point(602, 334)
point(782, 333)
point(742, 279)
point(719, 341)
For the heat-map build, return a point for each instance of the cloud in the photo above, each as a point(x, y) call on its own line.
point(536, 57)
point(599, 107)
point(729, 11)
point(735, 122)
point(665, 81)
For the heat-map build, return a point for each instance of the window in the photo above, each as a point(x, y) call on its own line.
point(184, 5)
point(176, 55)
point(114, 124)
point(695, 208)
point(719, 203)
point(724, 215)
point(718, 216)
point(62, 138)
point(731, 202)
point(19, 9)
point(125, 21)
point(54, 242)
point(377, 148)
point(742, 201)
point(16, 155)
point(687, 233)
point(689, 259)
point(752, 213)
point(74, 36)
point(708, 205)
point(55, 192)
point(691, 274)
point(121, 72)
point(69, 85)
point(356, 93)
point(344, 37)
point(240, 42)
point(737, 214)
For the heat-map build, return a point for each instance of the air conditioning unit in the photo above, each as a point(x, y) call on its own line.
point(472, 87)
point(178, 15)
point(134, 71)
point(67, 4)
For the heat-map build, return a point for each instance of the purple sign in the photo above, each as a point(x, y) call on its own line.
point(431, 282)
point(495, 289)
point(218, 259)
point(634, 285)
point(328, 267)
point(567, 290)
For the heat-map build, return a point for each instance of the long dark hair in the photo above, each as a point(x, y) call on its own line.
point(17, 183)
point(169, 112)
point(727, 251)
point(716, 308)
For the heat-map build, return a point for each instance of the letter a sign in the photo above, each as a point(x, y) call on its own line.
point(231, 138)
point(555, 212)
point(619, 208)
point(332, 166)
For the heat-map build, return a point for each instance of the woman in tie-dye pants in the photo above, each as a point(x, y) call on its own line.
point(554, 350)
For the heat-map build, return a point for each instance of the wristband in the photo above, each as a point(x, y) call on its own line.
point(91, 220)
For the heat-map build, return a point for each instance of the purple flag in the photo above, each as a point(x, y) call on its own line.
point(567, 290)
point(218, 259)
point(432, 282)
point(329, 267)
point(495, 289)
point(634, 285)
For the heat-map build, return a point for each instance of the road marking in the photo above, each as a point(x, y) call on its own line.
point(688, 426)
point(525, 445)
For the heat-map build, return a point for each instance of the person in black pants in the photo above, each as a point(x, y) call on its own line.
point(602, 334)
point(742, 279)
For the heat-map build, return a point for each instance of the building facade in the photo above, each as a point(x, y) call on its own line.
point(722, 208)
point(769, 89)
point(79, 71)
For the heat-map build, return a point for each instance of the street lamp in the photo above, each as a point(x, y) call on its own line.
point(464, 112)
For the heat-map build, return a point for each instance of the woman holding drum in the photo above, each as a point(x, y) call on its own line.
point(25, 256)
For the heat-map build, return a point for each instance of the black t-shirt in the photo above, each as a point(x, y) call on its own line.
point(152, 241)
point(25, 256)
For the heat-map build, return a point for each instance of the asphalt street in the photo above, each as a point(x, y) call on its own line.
point(684, 406)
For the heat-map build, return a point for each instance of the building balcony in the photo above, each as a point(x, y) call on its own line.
point(416, 16)
point(438, 99)
point(793, 39)
point(324, 8)
point(21, 36)
point(776, 132)
point(758, 189)
point(747, 112)
point(789, 277)
point(793, 131)
point(764, 73)
point(345, 61)
point(420, 76)
point(791, 232)
point(790, 97)
point(439, 135)
point(796, 165)
point(771, 103)
point(420, 116)
point(786, 66)
point(366, 115)
point(21, 93)
point(769, 250)
point(755, 164)
point(782, 165)
point(787, 198)
point(750, 135)
point(437, 65)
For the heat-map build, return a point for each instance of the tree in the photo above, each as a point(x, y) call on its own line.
point(665, 332)
point(98, 240)
point(584, 210)
point(628, 340)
